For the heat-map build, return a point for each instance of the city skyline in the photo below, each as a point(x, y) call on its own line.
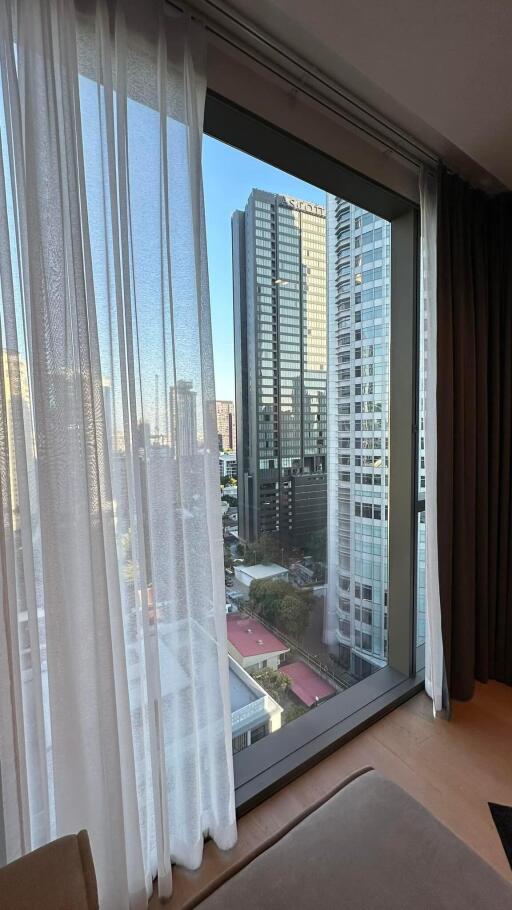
point(287, 296)
point(318, 277)
point(229, 177)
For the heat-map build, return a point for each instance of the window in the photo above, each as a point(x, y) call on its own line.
point(258, 733)
point(420, 527)
point(366, 616)
point(420, 579)
point(366, 641)
point(286, 346)
point(240, 742)
point(345, 628)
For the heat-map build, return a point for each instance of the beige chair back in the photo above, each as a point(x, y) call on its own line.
point(58, 876)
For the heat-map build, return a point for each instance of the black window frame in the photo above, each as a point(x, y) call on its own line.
point(274, 760)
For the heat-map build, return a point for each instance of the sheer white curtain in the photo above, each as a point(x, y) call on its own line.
point(114, 701)
point(434, 655)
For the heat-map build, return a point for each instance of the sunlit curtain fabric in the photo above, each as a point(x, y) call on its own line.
point(114, 702)
point(434, 655)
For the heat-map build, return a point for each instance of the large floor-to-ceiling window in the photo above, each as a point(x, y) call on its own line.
point(313, 285)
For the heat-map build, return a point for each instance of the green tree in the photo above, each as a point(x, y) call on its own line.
point(265, 597)
point(274, 682)
point(281, 605)
point(228, 558)
point(293, 616)
point(264, 549)
point(316, 546)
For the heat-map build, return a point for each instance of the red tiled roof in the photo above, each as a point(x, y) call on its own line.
point(250, 638)
point(306, 685)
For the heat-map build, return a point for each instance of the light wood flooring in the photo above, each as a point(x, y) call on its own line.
point(453, 768)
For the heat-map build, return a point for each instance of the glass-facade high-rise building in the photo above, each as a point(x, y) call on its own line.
point(280, 318)
point(359, 295)
point(183, 418)
point(359, 271)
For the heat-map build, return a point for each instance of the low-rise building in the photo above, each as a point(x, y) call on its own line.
point(254, 713)
point(270, 572)
point(306, 684)
point(228, 464)
point(252, 645)
point(303, 572)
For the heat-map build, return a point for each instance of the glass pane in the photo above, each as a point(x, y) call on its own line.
point(420, 582)
point(423, 360)
point(420, 556)
point(300, 294)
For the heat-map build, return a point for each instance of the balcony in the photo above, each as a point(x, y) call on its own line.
point(251, 706)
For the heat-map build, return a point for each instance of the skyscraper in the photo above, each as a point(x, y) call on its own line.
point(359, 269)
point(183, 418)
point(226, 425)
point(280, 318)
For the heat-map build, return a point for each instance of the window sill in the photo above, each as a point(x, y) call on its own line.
point(274, 761)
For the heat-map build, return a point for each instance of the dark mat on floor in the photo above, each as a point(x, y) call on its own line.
point(502, 817)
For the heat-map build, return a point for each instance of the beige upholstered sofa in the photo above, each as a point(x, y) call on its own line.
point(369, 847)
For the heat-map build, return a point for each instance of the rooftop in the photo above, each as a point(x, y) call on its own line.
point(241, 694)
point(263, 571)
point(251, 638)
point(307, 685)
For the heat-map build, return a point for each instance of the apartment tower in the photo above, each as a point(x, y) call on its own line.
point(280, 319)
point(359, 270)
point(226, 425)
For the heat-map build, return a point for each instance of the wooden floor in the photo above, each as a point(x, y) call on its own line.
point(454, 768)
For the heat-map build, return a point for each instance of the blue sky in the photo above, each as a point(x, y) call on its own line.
point(229, 176)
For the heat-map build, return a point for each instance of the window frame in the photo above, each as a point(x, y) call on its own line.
point(277, 758)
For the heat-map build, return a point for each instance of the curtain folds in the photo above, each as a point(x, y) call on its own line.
point(474, 427)
point(114, 701)
point(435, 682)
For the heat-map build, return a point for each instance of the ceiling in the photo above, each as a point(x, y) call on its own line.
point(440, 69)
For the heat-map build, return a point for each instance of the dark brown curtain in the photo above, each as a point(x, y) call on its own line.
point(474, 403)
